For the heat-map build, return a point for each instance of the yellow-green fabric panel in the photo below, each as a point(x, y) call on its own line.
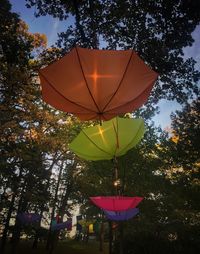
point(112, 138)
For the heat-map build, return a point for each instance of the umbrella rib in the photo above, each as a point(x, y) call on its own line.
point(86, 80)
point(95, 143)
point(107, 112)
point(102, 117)
point(119, 82)
point(73, 102)
point(116, 134)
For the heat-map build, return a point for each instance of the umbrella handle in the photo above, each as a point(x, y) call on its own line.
point(116, 176)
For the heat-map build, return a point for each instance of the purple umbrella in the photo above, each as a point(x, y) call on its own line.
point(26, 218)
point(67, 224)
point(123, 215)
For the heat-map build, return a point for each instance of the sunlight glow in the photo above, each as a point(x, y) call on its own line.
point(100, 131)
point(95, 76)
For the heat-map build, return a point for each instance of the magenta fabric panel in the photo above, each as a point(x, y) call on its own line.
point(121, 216)
point(116, 203)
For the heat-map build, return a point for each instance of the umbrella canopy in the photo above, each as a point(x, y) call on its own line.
point(67, 224)
point(97, 84)
point(26, 218)
point(121, 216)
point(116, 203)
point(111, 139)
point(91, 228)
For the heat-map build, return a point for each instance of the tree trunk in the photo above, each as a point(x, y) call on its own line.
point(110, 237)
point(121, 236)
point(101, 237)
point(22, 205)
point(5, 231)
point(50, 239)
point(35, 242)
point(15, 237)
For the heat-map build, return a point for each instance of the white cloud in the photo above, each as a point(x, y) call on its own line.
point(54, 31)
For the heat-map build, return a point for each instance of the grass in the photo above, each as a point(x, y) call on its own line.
point(63, 247)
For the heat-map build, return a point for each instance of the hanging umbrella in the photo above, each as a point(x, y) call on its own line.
point(26, 218)
point(67, 224)
point(91, 228)
point(116, 203)
point(121, 216)
point(111, 139)
point(97, 84)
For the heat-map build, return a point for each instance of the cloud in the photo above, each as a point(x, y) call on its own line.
point(54, 31)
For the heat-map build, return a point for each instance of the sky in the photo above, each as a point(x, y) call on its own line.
point(44, 24)
point(52, 26)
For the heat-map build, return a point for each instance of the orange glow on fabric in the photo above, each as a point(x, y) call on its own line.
point(95, 76)
point(97, 84)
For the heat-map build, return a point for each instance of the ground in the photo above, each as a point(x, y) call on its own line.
point(63, 247)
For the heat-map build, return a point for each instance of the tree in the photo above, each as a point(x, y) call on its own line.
point(15, 52)
point(30, 141)
point(180, 154)
point(185, 127)
point(158, 31)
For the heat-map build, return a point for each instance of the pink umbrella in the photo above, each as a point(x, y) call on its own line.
point(116, 203)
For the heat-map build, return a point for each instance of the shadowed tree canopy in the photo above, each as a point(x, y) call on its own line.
point(157, 30)
point(31, 134)
point(181, 166)
point(186, 128)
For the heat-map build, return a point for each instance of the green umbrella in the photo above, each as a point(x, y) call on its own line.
point(111, 139)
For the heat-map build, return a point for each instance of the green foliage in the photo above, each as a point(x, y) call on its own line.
point(34, 137)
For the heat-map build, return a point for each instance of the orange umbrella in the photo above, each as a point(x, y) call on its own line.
point(97, 84)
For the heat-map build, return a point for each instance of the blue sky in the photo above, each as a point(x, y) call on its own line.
point(44, 24)
point(51, 27)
